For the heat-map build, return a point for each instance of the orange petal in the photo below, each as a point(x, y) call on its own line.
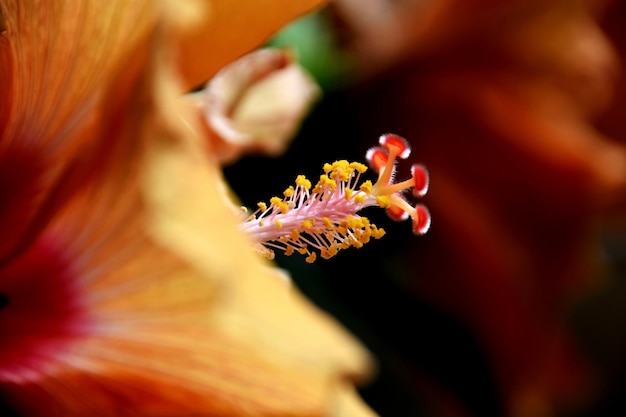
point(57, 59)
point(231, 29)
point(58, 63)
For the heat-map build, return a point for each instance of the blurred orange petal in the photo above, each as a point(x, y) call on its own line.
point(229, 29)
point(56, 68)
point(56, 60)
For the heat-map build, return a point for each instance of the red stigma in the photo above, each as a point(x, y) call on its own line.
point(396, 213)
point(422, 220)
point(421, 180)
point(376, 158)
point(395, 145)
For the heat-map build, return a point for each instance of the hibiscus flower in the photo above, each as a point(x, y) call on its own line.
point(126, 287)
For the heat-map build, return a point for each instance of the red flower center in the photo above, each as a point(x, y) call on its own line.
point(40, 310)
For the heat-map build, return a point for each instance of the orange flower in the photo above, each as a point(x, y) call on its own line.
point(125, 286)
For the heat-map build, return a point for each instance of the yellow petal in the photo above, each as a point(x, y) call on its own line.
point(349, 404)
point(230, 29)
point(188, 217)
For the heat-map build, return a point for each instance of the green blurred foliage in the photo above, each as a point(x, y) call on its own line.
point(316, 46)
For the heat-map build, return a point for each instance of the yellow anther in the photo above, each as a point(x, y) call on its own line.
point(311, 258)
point(340, 175)
point(341, 170)
point(383, 201)
point(303, 182)
point(324, 184)
point(366, 187)
point(336, 192)
point(360, 198)
point(324, 180)
point(353, 222)
point(283, 206)
point(359, 167)
point(341, 164)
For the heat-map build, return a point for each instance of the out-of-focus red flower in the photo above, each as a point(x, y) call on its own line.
point(499, 100)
